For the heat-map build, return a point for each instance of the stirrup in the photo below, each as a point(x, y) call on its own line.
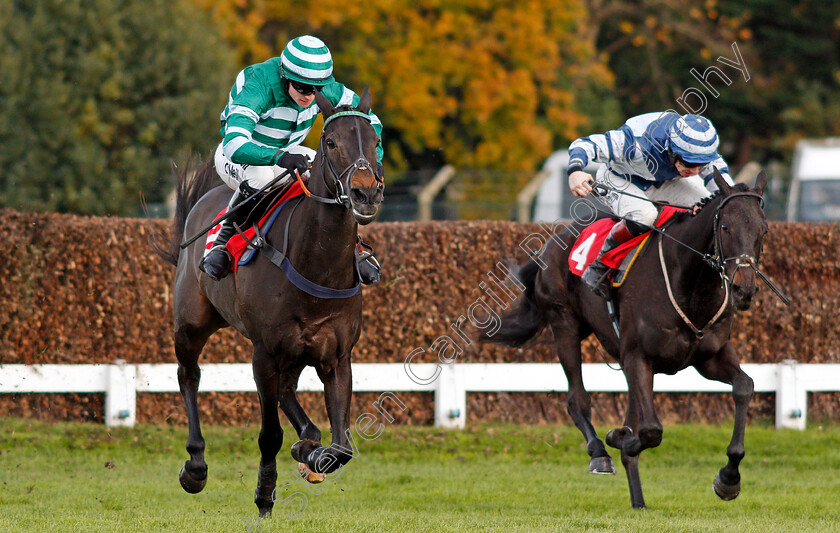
point(600, 286)
point(370, 271)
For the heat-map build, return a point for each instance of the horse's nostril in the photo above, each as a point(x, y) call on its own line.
point(358, 195)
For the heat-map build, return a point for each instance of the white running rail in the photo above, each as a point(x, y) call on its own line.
point(121, 382)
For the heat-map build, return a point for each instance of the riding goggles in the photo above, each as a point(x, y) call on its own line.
point(686, 164)
point(304, 88)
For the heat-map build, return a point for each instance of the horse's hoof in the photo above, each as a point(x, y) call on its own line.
point(191, 484)
point(615, 437)
point(726, 492)
point(310, 476)
point(302, 448)
point(601, 465)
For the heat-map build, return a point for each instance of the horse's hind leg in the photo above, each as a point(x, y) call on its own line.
point(579, 403)
point(267, 378)
point(724, 367)
point(189, 341)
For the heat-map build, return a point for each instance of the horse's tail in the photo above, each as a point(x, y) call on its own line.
point(521, 324)
point(189, 187)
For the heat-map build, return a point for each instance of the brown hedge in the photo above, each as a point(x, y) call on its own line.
point(89, 290)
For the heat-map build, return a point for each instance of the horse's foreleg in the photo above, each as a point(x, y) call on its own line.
point(579, 403)
point(267, 380)
point(188, 345)
point(617, 438)
point(724, 367)
point(642, 428)
point(338, 389)
point(647, 432)
point(304, 427)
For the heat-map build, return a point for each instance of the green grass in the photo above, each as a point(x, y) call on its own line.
point(53, 477)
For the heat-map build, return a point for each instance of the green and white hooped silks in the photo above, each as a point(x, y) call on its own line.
point(255, 176)
point(307, 59)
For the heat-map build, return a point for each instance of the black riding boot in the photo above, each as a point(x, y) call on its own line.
point(216, 264)
point(596, 275)
point(370, 271)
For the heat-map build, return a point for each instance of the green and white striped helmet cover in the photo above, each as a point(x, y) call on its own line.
point(307, 59)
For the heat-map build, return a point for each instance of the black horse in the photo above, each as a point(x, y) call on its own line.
point(289, 327)
point(676, 310)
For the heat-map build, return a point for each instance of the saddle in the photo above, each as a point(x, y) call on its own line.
point(621, 258)
point(240, 249)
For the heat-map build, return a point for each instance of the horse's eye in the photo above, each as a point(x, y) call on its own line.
point(331, 143)
point(724, 227)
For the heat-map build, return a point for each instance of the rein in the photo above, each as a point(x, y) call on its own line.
point(717, 262)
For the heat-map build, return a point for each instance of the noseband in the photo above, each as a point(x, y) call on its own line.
point(717, 261)
point(341, 181)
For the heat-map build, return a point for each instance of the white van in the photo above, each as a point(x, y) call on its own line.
point(554, 199)
point(815, 187)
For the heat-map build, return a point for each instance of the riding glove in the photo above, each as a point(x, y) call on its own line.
point(294, 162)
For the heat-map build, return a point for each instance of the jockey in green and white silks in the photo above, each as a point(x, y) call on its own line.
point(269, 113)
point(660, 156)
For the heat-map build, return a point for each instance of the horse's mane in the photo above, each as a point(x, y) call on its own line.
point(707, 202)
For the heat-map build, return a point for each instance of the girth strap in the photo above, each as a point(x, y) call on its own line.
point(279, 259)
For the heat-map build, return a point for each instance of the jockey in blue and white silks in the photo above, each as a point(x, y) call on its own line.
point(660, 156)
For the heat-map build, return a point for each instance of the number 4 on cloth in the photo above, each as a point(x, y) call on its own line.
point(580, 253)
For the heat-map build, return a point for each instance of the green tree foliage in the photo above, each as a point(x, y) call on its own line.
point(98, 96)
point(791, 49)
point(796, 50)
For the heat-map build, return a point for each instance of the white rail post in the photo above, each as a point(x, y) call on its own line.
point(450, 398)
point(427, 195)
point(526, 195)
point(791, 397)
point(121, 394)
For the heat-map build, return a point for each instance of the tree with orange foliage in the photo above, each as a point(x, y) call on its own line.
point(477, 83)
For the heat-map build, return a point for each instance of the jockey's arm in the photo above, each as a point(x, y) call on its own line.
point(614, 145)
point(707, 172)
point(244, 112)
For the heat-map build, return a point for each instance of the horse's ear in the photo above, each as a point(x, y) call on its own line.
point(324, 105)
point(364, 101)
point(760, 182)
point(724, 187)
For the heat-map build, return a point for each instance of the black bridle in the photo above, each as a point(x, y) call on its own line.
point(341, 181)
point(717, 260)
point(743, 260)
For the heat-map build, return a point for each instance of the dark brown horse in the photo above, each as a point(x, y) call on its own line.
point(289, 327)
point(707, 283)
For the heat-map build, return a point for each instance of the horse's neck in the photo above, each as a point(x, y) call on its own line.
point(329, 236)
point(688, 272)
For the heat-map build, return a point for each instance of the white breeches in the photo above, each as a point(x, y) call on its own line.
point(684, 192)
point(257, 177)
